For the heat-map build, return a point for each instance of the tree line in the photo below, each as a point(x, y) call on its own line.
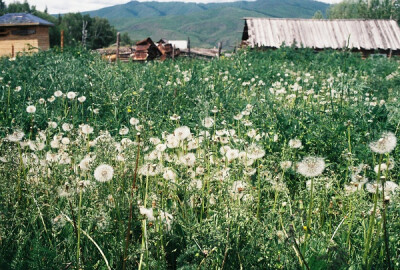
point(79, 29)
point(363, 9)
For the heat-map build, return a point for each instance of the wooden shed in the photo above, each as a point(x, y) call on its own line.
point(366, 36)
point(22, 32)
point(146, 50)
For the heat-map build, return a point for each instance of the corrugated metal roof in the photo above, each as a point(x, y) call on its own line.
point(320, 34)
point(11, 19)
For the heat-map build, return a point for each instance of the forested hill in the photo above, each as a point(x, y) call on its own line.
point(205, 24)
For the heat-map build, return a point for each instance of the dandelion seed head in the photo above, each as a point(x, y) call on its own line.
point(295, 143)
point(58, 93)
point(31, 109)
point(311, 166)
point(385, 144)
point(71, 95)
point(133, 121)
point(207, 122)
point(103, 173)
point(82, 99)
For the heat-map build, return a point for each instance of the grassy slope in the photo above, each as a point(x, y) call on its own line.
point(205, 24)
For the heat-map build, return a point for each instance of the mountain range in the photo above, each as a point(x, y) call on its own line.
point(205, 24)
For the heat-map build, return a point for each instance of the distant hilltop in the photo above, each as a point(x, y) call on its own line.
point(205, 24)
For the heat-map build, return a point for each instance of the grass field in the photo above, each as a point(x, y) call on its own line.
point(266, 160)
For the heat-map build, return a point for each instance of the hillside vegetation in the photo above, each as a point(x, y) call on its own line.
point(266, 160)
point(205, 24)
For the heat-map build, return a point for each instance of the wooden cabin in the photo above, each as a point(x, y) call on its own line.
point(146, 50)
point(358, 35)
point(23, 32)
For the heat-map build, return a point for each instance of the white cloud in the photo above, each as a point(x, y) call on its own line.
point(64, 6)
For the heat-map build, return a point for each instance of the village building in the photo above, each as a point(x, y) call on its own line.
point(366, 36)
point(21, 32)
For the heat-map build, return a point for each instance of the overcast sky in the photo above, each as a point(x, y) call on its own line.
point(64, 6)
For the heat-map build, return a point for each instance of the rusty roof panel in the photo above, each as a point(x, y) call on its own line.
point(320, 34)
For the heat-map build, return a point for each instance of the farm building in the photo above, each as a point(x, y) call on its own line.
point(366, 36)
point(21, 32)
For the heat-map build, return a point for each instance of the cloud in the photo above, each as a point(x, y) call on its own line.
point(64, 6)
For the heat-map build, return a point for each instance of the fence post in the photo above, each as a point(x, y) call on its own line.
point(188, 47)
point(62, 40)
point(219, 49)
point(12, 50)
point(173, 52)
point(118, 40)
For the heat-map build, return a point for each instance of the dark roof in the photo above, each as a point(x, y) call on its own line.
point(11, 19)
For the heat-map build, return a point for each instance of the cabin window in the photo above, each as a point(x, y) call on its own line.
point(23, 32)
point(3, 32)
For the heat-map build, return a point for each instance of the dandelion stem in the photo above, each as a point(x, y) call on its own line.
point(79, 227)
point(128, 232)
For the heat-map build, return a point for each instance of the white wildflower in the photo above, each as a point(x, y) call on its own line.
point(103, 173)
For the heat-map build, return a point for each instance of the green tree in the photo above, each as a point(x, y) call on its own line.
point(101, 33)
point(126, 39)
point(365, 9)
point(318, 15)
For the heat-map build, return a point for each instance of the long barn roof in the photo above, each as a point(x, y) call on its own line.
point(320, 34)
point(20, 19)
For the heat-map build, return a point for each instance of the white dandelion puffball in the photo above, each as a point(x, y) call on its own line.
point(133, 121)
point(71, 95)
point(207, 122)
point(182, 133)
point(295, 143)
point(58, 93)
point(86, 129)
point(311, 166)
point(31, 109)
point(103, 173)
point(385, 144)
point(123, 130)
point(82, 99)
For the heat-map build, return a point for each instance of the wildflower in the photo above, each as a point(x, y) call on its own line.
point(31, 109)
point(154, 141)
point(81, 99)
point(18, 88)
point(51, 99)
point(255, 152)
point(207, 122)
point(172, 141)
point(214, 110)
point(232, 154)
point(52, 124)
point(182, 133)
point(237, 189)
point(58, 93)
point(188, 159)
point(123, 130)
point(148, 212)
point(42, 101)
point(161, 147)
point(238, 116)
point(103, 173)
point(167, 219)
point(169, 174)
point(385, 144)
point(71, 95)
point(55, 144)
point(16, 136)
point(175, 117)
point(295, 143)
point(65, 141)
point(286, 164)
point(66, 127)
point(86, 129)
point(311, 166)
point(133, 121)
